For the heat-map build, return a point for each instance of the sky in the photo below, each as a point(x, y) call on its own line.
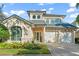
point(21, 9)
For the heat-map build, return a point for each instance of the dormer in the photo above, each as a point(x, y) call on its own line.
point(36, 15)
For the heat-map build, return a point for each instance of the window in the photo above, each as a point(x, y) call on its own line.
point(54, 21)
point(47, 21)
point(57, 20)
point(34, 17)
point(38, 17)
point(17, 21)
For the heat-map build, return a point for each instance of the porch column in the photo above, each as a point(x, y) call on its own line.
point(73, 36)
point(58, 36)
point(55, 38)
point(43, 39)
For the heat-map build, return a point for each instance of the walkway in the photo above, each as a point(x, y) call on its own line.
point(63, 49)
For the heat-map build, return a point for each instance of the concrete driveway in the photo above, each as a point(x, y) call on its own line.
point(64, 49)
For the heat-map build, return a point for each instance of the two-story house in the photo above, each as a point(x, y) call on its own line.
point(40, 27)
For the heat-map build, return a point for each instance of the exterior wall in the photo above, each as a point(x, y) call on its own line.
point(26, 36)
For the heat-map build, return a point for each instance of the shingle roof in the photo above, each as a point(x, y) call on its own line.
point(61, 25)
point(66, 25)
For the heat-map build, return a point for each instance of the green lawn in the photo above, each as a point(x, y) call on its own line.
point(8, 51)
point(23, 48)
point(22, 51)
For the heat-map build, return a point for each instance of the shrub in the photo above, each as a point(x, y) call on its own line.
point(4, 33)
point(11, 45)
point(43, 50)
point(20, 45)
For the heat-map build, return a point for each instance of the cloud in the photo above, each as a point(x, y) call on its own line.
point(51, 8)
point(71, 10)
point(74, 15)
point(72, 4)
point(48, 11)
point(6, 13)
point(41, 4)
point(18, 12)
point(43, 9)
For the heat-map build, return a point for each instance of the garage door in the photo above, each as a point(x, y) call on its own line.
point(66, 37)
point(49, 36)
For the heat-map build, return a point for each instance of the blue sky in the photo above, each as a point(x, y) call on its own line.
point(20, 9)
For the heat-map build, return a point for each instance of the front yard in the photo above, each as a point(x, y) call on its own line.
point(23, 49)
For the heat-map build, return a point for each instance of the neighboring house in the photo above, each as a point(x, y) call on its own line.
point(40, 27)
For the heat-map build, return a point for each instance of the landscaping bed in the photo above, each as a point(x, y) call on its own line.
point(22, 48)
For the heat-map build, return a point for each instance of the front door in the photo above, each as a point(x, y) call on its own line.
point(38, 36)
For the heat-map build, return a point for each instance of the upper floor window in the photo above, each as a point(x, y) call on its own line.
point(47, 21)
point(54, 21)
point(34, 16)
point(38, 17)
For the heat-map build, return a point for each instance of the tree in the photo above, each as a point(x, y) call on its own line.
point(77, 18)
point(77, 5)
point(4, 33)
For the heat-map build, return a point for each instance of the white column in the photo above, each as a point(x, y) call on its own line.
point(73, 37)
point(44, 35)
point(58, 36)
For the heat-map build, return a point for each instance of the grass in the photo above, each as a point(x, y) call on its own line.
point(8, 51)
point(33, 51)
point(23, 49)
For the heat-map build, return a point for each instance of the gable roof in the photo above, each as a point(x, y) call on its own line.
point(20, 18)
